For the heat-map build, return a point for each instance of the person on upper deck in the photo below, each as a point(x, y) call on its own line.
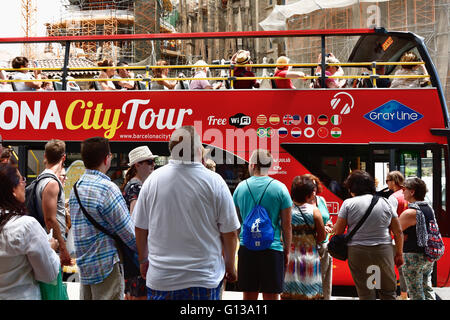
point(162, 73)
point(106, 74)
point(124, 74)
point(285, 72)
point(330, 71)
point(413, 70)
point(31, 85)
point(4, 86)
point(200, 73)
point(242, 57)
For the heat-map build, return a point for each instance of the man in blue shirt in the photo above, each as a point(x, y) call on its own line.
point(101, 274)
point(263, 271)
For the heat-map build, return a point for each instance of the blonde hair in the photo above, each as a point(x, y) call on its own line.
point(409, 57)
point(201, 63)
point(282, 60)
point(397, 177)
point(210, 164)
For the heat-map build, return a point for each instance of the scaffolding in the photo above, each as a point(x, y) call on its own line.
point(96, 17)
point(418, 16)
point(111, 17)
point(28, 8)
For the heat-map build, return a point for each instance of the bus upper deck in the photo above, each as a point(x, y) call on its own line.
point(314, 129)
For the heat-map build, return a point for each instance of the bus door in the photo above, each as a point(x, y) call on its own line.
point(428, 163)
point(422, 161)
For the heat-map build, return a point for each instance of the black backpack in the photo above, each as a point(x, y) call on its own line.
point(31, 198)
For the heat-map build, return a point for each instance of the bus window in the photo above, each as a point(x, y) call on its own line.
point(419, 164)
point(331, 163)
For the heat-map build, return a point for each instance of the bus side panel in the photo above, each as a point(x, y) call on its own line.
point(443, 266)
point(287, 116)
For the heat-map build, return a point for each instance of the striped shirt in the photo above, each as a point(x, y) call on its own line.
point(96, 252)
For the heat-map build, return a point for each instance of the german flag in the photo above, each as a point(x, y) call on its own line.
point(322, 119)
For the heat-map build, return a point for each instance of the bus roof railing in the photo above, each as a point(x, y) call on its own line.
point(372, 76)
point(231, 78)
point(195, 35)
point(216, 35)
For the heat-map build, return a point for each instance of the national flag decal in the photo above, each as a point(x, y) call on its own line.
point(296, 119)
point(309, 119)
point(274, 119)
point(296, 132)
point(322, 132)
point(322, 120)
point(261, 119)
point(288, 119)
point(336, 132)
point(336, 119)
point(282, 132)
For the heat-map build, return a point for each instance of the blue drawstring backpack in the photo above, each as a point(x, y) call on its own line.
point(257, 229)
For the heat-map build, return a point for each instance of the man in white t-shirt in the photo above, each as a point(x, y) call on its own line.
point(32, 84)
point(186, 226)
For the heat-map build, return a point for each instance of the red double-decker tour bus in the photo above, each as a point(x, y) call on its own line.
point(312, 129)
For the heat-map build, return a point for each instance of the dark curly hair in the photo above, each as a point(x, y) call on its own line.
point(360, 182)
point(9, 205)
point(302, 187)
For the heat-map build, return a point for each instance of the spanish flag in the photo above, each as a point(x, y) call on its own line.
point(274, 119)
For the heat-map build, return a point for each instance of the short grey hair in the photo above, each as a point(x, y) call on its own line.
point(185, 143)
point(261, 158)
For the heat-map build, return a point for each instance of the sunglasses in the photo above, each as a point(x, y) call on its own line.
point(149, 162)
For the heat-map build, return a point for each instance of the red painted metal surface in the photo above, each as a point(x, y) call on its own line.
point(199, 35)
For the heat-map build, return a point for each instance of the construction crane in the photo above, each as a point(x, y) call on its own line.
point(28, 24)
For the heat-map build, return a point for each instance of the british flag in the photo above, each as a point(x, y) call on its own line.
point(288, 119)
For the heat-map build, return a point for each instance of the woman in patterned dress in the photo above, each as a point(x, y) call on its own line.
point(303, 280)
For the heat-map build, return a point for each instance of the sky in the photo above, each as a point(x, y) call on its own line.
point(11, 20)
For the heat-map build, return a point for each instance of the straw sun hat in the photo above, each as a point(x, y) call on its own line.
point(242, 57)
point(140, 154)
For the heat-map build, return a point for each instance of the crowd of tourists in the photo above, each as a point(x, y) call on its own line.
point(120, 77)
point(184, 228)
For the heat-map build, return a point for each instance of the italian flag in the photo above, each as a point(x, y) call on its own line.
point(336, 120)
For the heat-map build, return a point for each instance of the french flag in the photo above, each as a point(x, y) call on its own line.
point(309, 119)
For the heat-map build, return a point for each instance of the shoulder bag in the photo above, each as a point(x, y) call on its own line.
point(127, 256)
point(338, 245)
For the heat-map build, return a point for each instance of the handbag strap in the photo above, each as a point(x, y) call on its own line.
point(304, 218)
point(360, 223)
point(92, 220)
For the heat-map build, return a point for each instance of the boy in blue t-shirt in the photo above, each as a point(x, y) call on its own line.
point(263, 271)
